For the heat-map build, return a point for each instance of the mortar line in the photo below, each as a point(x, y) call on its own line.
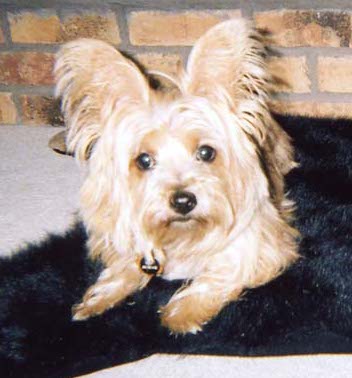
point(220, 4)
point(17, 102)
point(5, 29)
point(247, 9)
point(121, 17)
point(334, 97)
point(28, 89)
point(304, 50)
point(311, 60)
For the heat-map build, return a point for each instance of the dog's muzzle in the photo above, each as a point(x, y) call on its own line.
point(183, 202)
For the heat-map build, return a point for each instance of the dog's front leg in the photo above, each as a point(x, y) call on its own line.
point(121, 279)
point(192, 307)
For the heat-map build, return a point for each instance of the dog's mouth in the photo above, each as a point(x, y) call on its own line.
point(179, 219)
point(182, 220)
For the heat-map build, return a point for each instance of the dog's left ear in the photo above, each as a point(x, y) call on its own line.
point(94, 79)
point(228, 64)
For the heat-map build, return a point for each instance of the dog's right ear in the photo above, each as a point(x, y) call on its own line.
point(228, 65)
point(94, 79)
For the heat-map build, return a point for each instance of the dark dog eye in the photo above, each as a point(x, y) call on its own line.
point(206, 153)
point(145, 161)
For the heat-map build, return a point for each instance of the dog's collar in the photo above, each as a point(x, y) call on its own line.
point(151, 268)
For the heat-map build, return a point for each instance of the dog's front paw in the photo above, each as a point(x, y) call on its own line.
point(112, 288)
point(181, 316)
point(82, 312)
point(95, 302)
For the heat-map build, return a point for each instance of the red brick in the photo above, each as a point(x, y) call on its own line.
point(291, 73)
point(102, 26)
point(33, 68)
point(167, 63)
point(155, 28)
point(8, 112)
point(34, 27)
point(306, 27)
point(313, 109)
point(335, 74)
point(39, 110)
point(44, 26)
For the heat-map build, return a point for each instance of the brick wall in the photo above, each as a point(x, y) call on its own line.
point(312, 46)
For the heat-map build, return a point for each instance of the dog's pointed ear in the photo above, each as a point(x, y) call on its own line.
point(93, 79)
point(228, 64)
point(229, 56)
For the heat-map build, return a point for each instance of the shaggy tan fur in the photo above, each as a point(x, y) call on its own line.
point(238, 235)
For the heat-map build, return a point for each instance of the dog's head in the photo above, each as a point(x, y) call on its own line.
point(173, 171)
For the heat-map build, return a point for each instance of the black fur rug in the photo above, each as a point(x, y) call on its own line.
point(306, 310)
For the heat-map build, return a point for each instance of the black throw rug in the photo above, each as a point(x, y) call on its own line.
point(306, 310)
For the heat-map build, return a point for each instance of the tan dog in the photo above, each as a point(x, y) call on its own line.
point(192, 181)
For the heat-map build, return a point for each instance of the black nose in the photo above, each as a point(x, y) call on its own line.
point(183, 202)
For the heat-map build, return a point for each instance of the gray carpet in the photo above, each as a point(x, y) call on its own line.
point(39, 188)
point(39, 193)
